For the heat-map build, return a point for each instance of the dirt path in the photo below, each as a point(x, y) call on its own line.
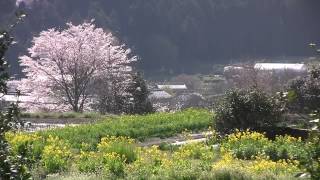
point(175, 140)
point(60, 120)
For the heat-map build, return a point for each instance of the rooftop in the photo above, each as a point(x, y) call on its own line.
point(280, 66)
point(174, 87)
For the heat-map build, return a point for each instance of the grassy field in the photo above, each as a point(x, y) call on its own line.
point(135, 126)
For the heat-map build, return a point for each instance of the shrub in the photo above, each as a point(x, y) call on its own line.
point(304, 93)
point(243, 109)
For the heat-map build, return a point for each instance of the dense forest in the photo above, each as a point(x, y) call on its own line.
point(180, 36)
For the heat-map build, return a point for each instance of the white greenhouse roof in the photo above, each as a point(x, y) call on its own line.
point(280, 66)
point(174, 87)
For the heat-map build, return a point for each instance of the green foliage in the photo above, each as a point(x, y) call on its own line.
point(249, 145)
point(243, 109)
point(286, 147)
point(134, 126)
point(246, 145)
point(138, 89)
point(27, 145)
point(118, 158)
point(11, 166)
point(228, 174)
point(56, 155)
point(312, 160)
point(122, 146)
point(112, 155)
point(304, 93)
point(113, 164)
point(89, 162)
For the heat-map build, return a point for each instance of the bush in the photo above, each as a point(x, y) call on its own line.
point(243, 109)
point(304, 93)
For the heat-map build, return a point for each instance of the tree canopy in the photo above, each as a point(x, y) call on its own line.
point(63, 67)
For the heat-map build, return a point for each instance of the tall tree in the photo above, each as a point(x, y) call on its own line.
point(138, 90)
point(63, 66)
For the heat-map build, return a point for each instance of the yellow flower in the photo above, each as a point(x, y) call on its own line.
point(279, 167)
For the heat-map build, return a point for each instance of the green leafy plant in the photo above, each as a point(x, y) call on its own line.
point(11, 166)
point(122, 146)
point(312, 161)
point(56, 155)
point(304, 93)
point(140, 103)
point(243, 109)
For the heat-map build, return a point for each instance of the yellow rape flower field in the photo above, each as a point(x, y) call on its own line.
point(243, 155)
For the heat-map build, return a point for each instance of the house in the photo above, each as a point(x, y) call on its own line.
point(172, 97)
point(175, 87)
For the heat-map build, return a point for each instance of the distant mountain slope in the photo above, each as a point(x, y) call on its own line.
point(181, 35)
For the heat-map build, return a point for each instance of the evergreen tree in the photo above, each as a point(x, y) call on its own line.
point(139, 102)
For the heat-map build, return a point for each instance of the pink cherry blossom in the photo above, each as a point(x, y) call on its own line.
point(62, 66)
